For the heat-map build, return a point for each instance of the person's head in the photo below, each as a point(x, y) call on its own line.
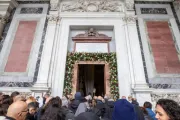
point(147, 105)
point(143, 109)
point(99, 98)
point(129, 98)
point(3, 109)
point(48, 99)
point(53, 113)
point(6, 99)
point(70, 96)
point(55, 102)
point(123, 110)
point(14, 94)
point(64, 102)
point(78, 96)
point(19, 98)
point(18, 110)
point(167, 110)
point(95, 97)
point(123, 97)
point(32, 108)
point(30, 99)
point(134, 101)
point(46, 95)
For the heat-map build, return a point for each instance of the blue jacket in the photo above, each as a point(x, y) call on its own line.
point(151, 113)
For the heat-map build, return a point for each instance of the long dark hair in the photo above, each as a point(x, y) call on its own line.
point(171, 108)
point(52, 111)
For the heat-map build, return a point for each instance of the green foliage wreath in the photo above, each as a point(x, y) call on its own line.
point(106, 57)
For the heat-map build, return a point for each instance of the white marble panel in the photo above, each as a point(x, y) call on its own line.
point(92, 47)
point(40, 18)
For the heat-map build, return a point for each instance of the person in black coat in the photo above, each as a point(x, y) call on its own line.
point(75, 103)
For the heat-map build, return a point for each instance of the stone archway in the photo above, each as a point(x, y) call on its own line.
point(106, 75)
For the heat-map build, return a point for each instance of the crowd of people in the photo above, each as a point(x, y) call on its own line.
point(77, 107)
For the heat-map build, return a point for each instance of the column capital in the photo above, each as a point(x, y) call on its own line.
point(53, 19)
point(3, 19)
point(130, 18)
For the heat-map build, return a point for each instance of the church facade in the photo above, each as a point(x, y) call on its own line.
point(37, 36)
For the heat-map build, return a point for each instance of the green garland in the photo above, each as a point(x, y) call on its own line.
point(106, 57)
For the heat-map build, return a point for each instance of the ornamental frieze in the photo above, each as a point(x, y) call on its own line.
point(174, 96)
point(93, 6)
point(3, 19)
point(130, 19)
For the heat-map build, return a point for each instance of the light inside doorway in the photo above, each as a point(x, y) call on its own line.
point(91, 78)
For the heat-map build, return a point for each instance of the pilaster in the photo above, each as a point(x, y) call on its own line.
point(140, 88)
point(44, 69)
point(44, 76)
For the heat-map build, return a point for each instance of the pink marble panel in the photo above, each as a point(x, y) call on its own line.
point(21, 47)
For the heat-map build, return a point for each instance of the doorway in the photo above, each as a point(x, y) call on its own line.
point(91, 79)
point(98, 72)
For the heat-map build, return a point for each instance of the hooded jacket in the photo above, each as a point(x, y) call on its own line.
point(75, 103)
point(123, 110)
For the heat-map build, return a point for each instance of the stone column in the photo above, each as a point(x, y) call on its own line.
point(139, 86)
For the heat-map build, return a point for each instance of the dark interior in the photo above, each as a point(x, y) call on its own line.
point(96, 73)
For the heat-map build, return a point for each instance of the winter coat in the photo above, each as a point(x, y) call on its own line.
point(100, 110)
point(74, 105)
point(123, 110)
point(87, 116)
point(81, 108)
point(139, 112)
point(69, 115)
point(109, 109)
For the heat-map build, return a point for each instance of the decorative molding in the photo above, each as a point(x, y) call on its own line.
point(130, 19)
point(54, 5)
point(95, 6)
point(31, 10)
point(91, 35)
point(153, 11)
point(176, 4)
point(164, 86)
point(33, 2)
point(175, 97)
point(129, 6)
point(52, 18)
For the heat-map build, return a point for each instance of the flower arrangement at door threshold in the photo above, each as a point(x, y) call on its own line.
point(109, 58)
